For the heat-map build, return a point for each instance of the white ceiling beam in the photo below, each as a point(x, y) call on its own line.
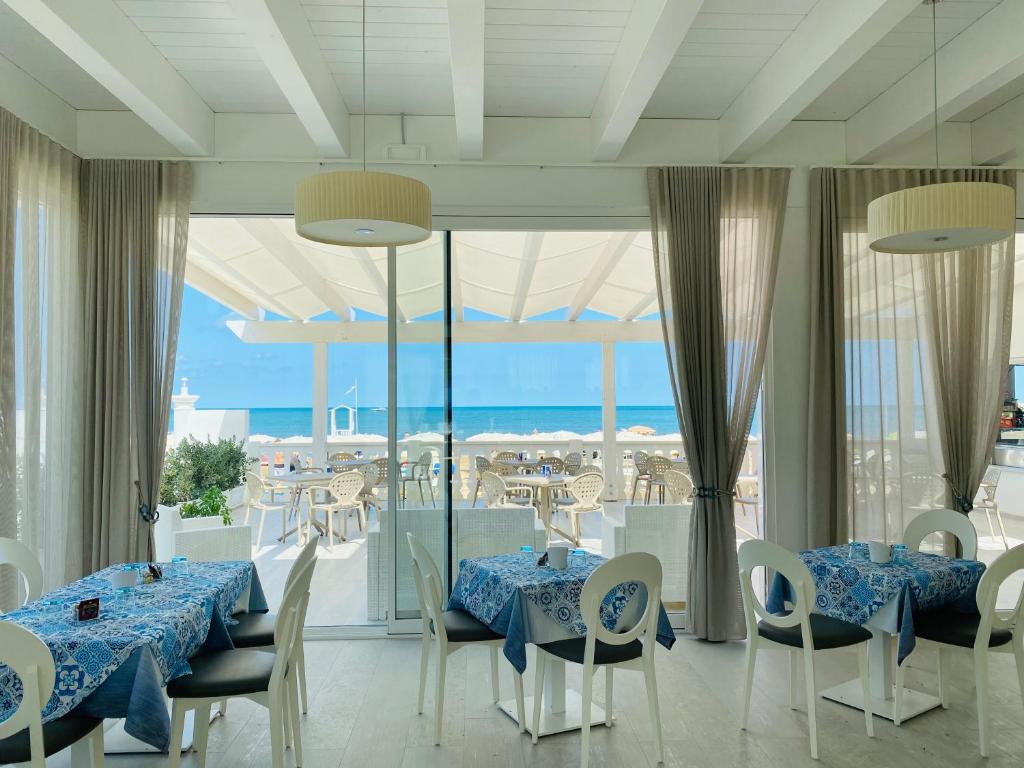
point(475, 332)
point(976, 63)
point(105, 43)
point(291, 258)
point(998, 137)
point(649, 43)
point(466, 34)
point(827, 42)
point(373, 274)
point(527, 265)
point(221, 292)
point(207, 259)
point(641, 307)
point(613, 252)
point(285, 41)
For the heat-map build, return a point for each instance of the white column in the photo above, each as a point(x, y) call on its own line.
point(319, 404)
point(609, 449)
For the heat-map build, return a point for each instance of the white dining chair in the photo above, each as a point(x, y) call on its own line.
point(979, 633)
point(448, 632)
point(265, 677)
point(680, 486)
point(625, 648)
point(24, 738)
point(942, 521)
point(583, 495)
point(420, 472)
point(340, 496)
point(798, 630)
point(257, 487)
point(498, 493)
point(986, 501)
point(24, 560)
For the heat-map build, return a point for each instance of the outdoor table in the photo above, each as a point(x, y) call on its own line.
point(883, 597)
point(300, 483)
point(527, 603)
point(545, 484)
point(115, 666)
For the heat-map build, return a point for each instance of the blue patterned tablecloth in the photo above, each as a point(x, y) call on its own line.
point(116, 665)
point(859, 590)
point(528, 603)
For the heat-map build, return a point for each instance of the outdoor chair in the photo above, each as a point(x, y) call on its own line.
point(341, 495)
point(483, 464)
point(498, 493)
point(987, 502)
point(421, 473)
point(748, 499)
point(573, 461)
point(583, 494)
point(257, 488)
point(657, 466)
point(640, 473)
point(24, 560)
point(506, 456)
point(680, 486)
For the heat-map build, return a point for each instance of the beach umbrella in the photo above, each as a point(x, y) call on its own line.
point(640, 429)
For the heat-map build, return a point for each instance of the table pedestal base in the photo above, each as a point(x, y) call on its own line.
point(914, 702)
point(555, 722)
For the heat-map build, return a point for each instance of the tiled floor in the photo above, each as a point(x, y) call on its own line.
point(362, 713)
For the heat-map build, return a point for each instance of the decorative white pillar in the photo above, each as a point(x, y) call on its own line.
point(320, 404)
point(609, 449)
point(183, 405)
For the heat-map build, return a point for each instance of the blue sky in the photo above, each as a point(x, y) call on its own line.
point(227, 373)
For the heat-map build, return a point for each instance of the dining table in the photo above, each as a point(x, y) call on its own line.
point(300, 482)
point(117, 664)
point(883, 597)
point(525, 602)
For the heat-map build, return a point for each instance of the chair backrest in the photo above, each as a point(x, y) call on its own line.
point(287, 630)
point(494, 488)
point(1006, 565)
point(640, 462)
point(25, 655)
point(556, 464)
point(483, 464)
point(586, 489)
point(382, 470)
point(341, 456)
point(345, 487)
point(503, 469)
point(992, 475)
point(754, 553)
point(573, 461)
point(421, 470)
point(638, 567)
point(428, 586)
point(658, 466)
point(17, 555)
point(680, 486)
point(256, 487)
point(506, 456)
point(371, 475)
point(942, 521)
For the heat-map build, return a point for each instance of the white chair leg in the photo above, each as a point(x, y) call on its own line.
point(943, 676)
point(588, 697)
point(177, 729)
point(1018, 657)
point(277, 716)
point(520, 700)
point(748, 689)
point(222, 708)
point(300, 674)
point(897, 707)
point(439, 696)
point(865, 689)
point(792, 679)
point(202, 733)
point(495, 692)
point(96, 747)
point(654, 706)
point(424, 663)
point(609, 688)
point(538, 693)
point(812, 720)
point(293, 717)
point(981, 684)
point(1002, 528)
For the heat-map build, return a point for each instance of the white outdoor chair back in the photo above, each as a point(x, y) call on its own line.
point(340, 456)
point(371, 476)
point(1006, 565)
point(428, 586)
point(658, 466)
point(638, 567)
point(382, 470)
point(586, 490)
point(494, 488)
point(754, 553)
point(680, 486)
point(17, 555)
point(345, 487)
point(640, 462)
point(556, 465)
point(256, 487)
point(573, 461)
point(27, 656)
point(421, 469)
point(483, 464)
point(506, 456)
point(942, 521)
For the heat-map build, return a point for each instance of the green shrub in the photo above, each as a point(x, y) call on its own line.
point(195, 467)
point(213, 503)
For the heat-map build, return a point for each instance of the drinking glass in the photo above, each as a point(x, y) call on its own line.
point(179, 564)
point(125, 596)
point(577, 557)
point(901, 554)
point(526, 551)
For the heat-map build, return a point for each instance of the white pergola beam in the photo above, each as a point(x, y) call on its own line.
point(652, 36)
point(291, 258)
point(973, 65)
point(826, 43)
point(466, 35)
point(617, 246)
point(639, 308)
point(221, 292)
point(205, 258)
point(285, 41)
point(104, 42)
point(527, 265)
point(374, 276)
point(475, 332)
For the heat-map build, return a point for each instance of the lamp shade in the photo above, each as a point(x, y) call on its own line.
point(362, 208)
point(941, 217)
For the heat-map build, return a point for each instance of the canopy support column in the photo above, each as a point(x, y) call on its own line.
point(612, 459)
point(319, 404)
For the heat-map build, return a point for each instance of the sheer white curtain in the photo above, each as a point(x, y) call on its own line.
point(40, 361)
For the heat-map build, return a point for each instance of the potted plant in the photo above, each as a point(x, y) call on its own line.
point(201, 513)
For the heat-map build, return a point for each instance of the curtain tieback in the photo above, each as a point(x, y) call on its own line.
point(710, 492)
point(148, 514)
point(963, 503)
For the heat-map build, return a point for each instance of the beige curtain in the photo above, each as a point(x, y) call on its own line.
point(135, 227)
point(716, 235)
point(40, 360)
point(923, 347)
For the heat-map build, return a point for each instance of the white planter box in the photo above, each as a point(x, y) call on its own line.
point(171, 522)
point(198, 523)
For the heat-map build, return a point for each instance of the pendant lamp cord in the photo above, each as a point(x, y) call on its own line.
point(364, 85)
point(935, 80)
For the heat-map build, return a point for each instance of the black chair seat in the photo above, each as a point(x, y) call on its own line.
point(955, 628)
point(58, 735)
point(253, 630)
point(463, 628)
point(223, 674)
point(604, 653)
point(826, 633)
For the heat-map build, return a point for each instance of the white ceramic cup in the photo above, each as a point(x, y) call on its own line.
point(558, 557)
point(880, 552)
point(119, 579)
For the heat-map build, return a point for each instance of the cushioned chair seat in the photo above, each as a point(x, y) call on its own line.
point(463, 628)
point(253, 630)
point(58, 735)
point(224, 673)
point(955, 628)
point(826, 633)
point(604, 653)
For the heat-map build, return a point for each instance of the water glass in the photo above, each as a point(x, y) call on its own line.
point(52, 608)
point(526, 551)
point(901, 554)
point(577, 557)
point(125, 596)
point(859, 550)
point(179, 565)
